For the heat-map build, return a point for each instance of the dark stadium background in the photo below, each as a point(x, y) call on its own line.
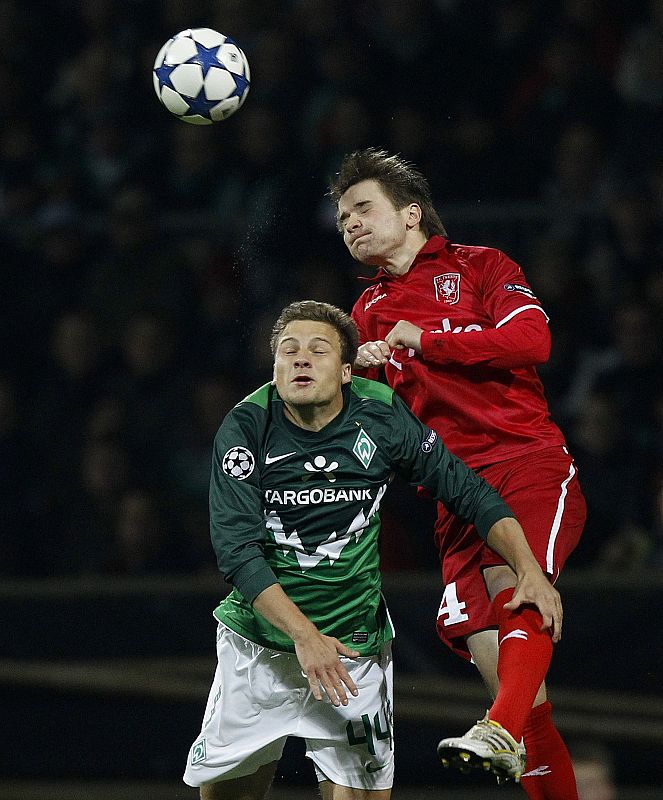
point(143, 261)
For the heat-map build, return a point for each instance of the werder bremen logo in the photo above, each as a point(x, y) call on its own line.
point(364, 448)
point(199, 752)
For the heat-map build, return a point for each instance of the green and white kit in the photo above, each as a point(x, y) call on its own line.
point(302, 508)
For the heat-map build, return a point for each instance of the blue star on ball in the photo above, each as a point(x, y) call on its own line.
point(163, 74)
point(206, 57)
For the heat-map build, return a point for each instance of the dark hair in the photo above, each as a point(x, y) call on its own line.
point(400, 180)
point(312, 310)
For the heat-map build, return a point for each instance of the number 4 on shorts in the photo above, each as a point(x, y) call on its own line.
point(451, 606)
point(369, 733)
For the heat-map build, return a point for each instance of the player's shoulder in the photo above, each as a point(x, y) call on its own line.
point(366, 390)
point(477, 255)
point(261, 398)
point(249, 414)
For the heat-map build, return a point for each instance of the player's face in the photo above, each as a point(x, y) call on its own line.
point(308, 370)
point(373, 230)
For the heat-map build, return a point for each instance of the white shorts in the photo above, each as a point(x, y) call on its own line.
point(259, 697)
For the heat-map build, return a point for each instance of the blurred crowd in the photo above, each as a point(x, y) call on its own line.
point(144, 260)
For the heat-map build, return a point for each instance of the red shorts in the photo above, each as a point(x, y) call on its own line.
point(543, 491)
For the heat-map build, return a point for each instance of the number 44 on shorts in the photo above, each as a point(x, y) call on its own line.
point(451, 607)
point(372, 732)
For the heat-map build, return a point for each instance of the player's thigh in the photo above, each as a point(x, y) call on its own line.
point(251, 787)
point(352, 746)
point(465, 605)
point(543, 491)
point(499, 578)
point(332, 791)
point(254, 704)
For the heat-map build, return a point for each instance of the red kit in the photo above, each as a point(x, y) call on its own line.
point(476, 385)
point(483, 329)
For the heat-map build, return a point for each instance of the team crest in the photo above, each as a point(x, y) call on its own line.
point(198, 752)
point(447, 287)
point(364, 448)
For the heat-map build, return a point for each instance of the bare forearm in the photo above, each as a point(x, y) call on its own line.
point(507, 538)
point(278, 609)
point(317, 653)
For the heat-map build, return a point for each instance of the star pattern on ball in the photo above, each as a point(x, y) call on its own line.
point(241, 83)
point(200, 104)
point(163, 74)
point(199, 70)
point(206, 57)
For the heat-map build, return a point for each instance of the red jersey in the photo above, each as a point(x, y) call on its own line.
point(475, 382)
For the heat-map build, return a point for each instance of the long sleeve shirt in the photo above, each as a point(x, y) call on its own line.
point(475, 381)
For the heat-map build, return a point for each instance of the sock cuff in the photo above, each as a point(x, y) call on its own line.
point(539, 712)
point(526, 614)
point(503, 597)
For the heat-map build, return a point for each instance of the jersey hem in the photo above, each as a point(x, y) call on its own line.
point(477, 463)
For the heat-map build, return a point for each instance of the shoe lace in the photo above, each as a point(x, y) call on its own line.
point(496, 738)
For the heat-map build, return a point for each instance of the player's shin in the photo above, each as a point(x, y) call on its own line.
point(524, 657)
point(549, 773)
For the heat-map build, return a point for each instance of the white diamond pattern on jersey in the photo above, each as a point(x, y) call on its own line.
point(332, 547)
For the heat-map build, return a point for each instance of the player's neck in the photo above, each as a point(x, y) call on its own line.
point(313, 417)
point(399, 262)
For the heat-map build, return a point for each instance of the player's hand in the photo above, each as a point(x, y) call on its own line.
point(319, 658)
point(371, 355)
point(404, 334)
point(534, 588)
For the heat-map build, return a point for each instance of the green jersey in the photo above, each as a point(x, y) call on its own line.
point(302, 508)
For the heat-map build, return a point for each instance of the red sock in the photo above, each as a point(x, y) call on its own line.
point(549, 774)
point(522, 663)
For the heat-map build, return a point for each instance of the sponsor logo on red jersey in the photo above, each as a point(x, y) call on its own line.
point(519, 287)
point(447, 287)
point(375, 300)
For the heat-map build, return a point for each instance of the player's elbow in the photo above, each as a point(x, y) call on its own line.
point(536, 339)
point(541, 345)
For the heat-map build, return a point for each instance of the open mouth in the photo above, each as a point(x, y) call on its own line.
point(303, 380)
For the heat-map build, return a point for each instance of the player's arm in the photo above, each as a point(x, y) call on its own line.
point(318, 654)
point(238, 535)
point(421, 457)
point(237, 526)
point(523, 340)
point(519, 334)
point(507, 538)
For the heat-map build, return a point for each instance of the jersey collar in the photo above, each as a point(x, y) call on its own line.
point(431, 248)
point(330, 428)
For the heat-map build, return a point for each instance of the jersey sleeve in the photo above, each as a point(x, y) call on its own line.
point(505, 290)
point(235, 501)
point(523, 342)
point(420, 456)
point(520, 336)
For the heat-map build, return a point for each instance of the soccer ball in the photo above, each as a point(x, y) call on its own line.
point(201, 76)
